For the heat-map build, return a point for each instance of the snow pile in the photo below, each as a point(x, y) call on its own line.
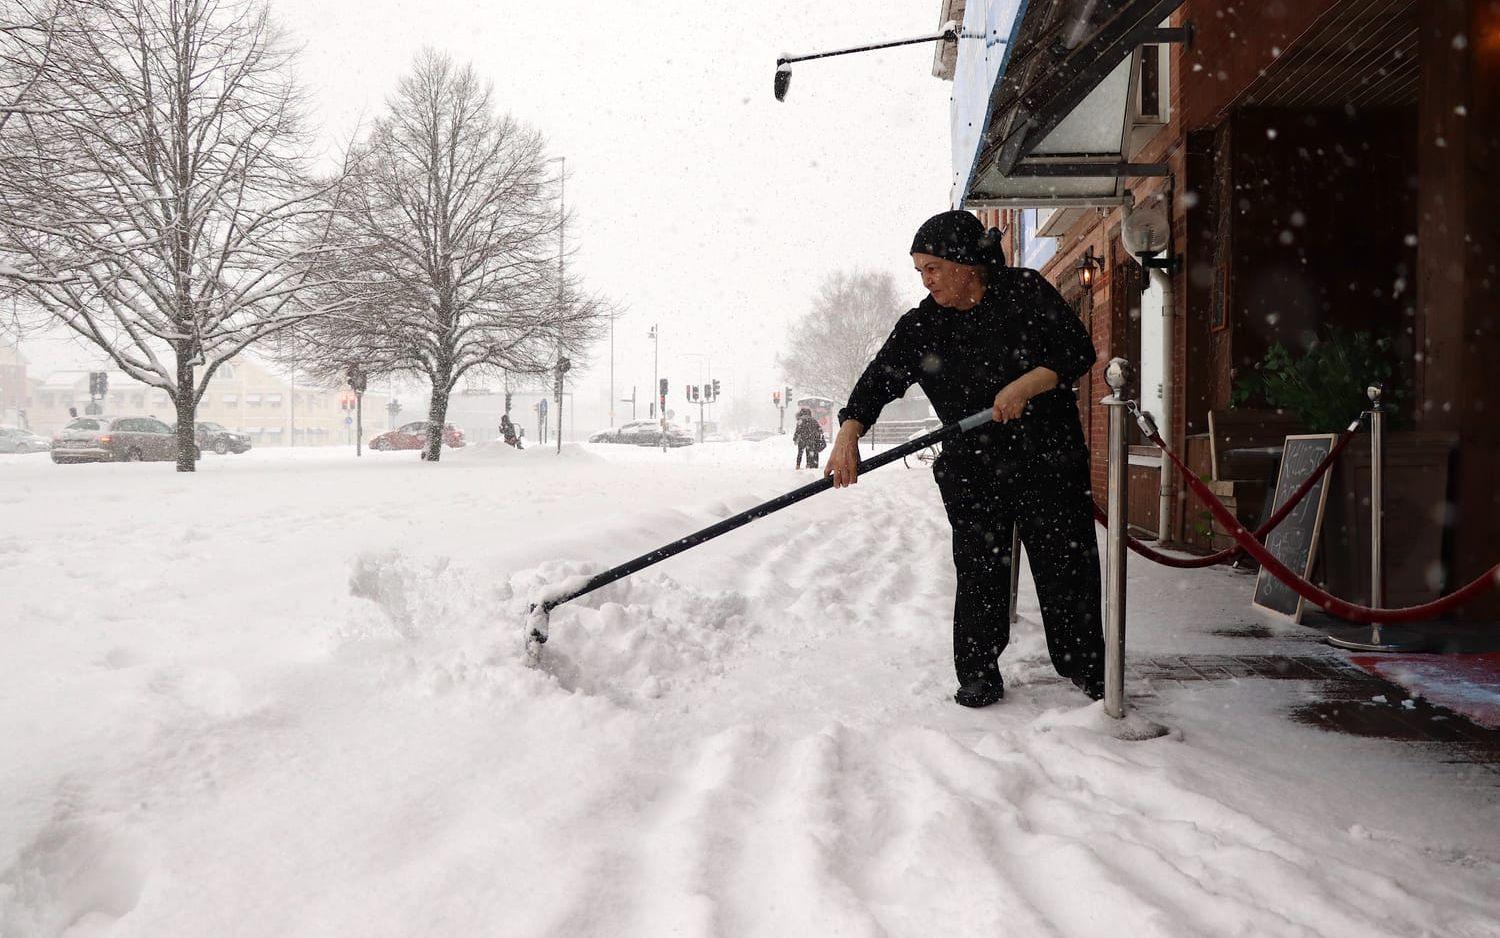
point(485, 451)
point(288, 697)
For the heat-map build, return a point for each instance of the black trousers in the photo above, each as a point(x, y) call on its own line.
point(812, 457)
point(1052, 504)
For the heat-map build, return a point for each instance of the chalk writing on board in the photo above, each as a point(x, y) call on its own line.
point(1295, 540)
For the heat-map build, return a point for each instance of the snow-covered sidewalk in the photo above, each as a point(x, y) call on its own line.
point(287, 697)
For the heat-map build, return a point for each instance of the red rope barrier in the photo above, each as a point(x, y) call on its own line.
point(1331, 604)
point(1208, 560)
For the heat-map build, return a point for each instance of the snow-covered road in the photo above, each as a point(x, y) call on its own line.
point(287, 697)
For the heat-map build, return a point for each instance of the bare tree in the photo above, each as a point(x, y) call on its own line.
point(850, 318)
point(448, 261)
point(158, 203)
point(27, 32)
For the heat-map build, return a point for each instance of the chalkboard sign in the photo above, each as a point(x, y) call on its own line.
point(1295, 540)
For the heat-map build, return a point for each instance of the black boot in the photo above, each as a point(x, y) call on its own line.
point(981, 693)
point(1092, 686)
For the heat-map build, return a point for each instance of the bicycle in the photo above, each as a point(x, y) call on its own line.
point(925, 458)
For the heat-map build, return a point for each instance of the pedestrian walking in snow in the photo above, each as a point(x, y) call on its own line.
point(809, 438)
point(507, 430)
point(989, 335)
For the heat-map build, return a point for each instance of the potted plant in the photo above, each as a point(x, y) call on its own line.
point(1325, 386)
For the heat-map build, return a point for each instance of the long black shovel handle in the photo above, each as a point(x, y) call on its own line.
point(761, 510)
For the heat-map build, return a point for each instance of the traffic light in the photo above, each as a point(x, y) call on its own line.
point(356, 378)
point(716, 390)
point(662, 389)
point(788, 396)
point(98, 383)
point(776, 398)
point(687, 392)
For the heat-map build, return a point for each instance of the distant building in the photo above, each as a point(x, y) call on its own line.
point(243, 396)
point(14, 392)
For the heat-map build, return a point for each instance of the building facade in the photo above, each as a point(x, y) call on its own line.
point(243, 396)
point(1323, 167)
point(14, 387)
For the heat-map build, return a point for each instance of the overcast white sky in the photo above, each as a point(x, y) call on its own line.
point(701, 202)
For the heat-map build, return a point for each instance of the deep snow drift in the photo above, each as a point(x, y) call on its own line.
point(287, 697)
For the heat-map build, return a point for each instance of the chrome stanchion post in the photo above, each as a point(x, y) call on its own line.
point(1379, 640)
point(1015, 571)
point(1117, 375)
point(1377, 509)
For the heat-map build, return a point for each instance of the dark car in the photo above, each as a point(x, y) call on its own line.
point(644, 433)
point(636, 431)
point(414, 436)
point(14, 440)
point(114, 439)
point(212, 436)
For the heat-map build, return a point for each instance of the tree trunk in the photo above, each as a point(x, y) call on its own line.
point(187, 411)
point(437, 417)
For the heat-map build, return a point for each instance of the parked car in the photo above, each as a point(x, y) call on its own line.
point(677, 436)
point(213, 436)
point(635, 431)
point(414, 436)
point(114, 439)
point(16, 440)
point(645, 433)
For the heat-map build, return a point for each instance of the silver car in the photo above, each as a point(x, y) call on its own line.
point(15, 440)
point(114, 439)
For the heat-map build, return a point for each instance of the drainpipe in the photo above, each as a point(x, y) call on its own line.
point(1164, 499)
point(1163, 280)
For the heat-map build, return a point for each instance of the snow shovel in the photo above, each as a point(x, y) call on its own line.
point(537, 620)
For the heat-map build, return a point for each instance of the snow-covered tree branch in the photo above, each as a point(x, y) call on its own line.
point(831, 344)
point(158, 203)
point(447, 247)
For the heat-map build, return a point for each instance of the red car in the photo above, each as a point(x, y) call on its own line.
point(414, 436)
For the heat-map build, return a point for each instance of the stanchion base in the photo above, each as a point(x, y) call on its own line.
point(1134, 728)
point(1389, 642)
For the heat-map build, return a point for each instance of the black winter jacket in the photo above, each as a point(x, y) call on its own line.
point(809, 435)
point(962, 358)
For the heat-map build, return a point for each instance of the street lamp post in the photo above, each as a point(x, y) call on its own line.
point(562, 218)
point(655, 337)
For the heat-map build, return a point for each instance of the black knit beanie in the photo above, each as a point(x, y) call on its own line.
point(959, 237)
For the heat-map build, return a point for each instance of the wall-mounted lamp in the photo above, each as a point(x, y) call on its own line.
point(951, 32)
point(1088, 267)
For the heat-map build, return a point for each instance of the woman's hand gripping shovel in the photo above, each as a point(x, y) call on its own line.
point(551, 598)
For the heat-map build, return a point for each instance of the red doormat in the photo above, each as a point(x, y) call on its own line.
point(1466, 684)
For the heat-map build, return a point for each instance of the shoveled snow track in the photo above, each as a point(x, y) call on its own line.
point(755, 738)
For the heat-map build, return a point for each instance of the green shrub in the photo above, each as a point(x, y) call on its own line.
point(1325, 387)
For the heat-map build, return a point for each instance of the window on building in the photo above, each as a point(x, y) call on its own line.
point(1151, 82)
point(252, 400)
point(1034, 251)
point(273, 400)
point(1152, 94)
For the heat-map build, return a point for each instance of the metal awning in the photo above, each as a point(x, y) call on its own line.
point(1057, 119)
